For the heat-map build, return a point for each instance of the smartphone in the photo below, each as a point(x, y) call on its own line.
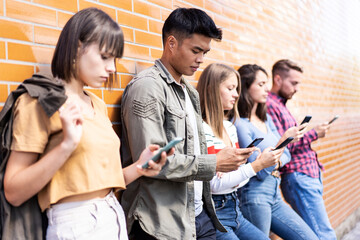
point(332, 120)
point(167, 148)
point(306, 120)
point(255, 142)
point(284, 143)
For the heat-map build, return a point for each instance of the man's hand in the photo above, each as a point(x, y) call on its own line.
point(229, 159)
point(322, 129)
point(267, 158)
point(297, 132)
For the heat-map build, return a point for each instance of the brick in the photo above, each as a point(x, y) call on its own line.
point(2, 50)
point(197, 3)
point(128, 34)
point(14, 30)
point(222, 22)
point(124, 80)
point(162, 3)
point(148, 39)
point(140, 66)
point(155, 54)
point(178, 3)
point(132, 20)
point(135, 51)
point(147, 9)
point(216, 54)
point(222, 45)
point(114, 114)
point(46, 35)
point(125, 66)
point(123, 4)
point(213, 7)
point(15, 72)
point(13, 87)
point(29, 53)
point(97, 92)
point(70, 6)
point(31, 13)
point(1, 7)
point(110, 11)
point(112, 96)
point(164, 14)
point(63, 18)
point(155, 26)
point(3, 92)
point(230, 12)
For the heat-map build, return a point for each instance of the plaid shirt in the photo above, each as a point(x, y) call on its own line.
point(303, 158)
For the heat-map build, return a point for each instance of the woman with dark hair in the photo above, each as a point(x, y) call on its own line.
point(219, 88)
point(71, 159)
point(260, 198)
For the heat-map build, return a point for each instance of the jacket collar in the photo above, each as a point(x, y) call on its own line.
point(165, 74)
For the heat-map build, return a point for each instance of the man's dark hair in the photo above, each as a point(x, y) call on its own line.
point(283, 66)
point(90, 25)
point(183, 22)
point(245, 104)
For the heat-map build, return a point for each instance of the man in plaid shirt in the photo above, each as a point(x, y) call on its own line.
point(301, 178)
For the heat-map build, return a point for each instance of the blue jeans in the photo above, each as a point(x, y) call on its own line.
point(228, 212)
point(262, 205)
point(304, 194)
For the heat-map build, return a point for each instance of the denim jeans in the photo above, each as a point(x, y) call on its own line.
point(228, 212)
point(262, 205)
point(304, 194)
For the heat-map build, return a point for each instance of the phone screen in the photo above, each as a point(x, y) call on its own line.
point(167, 148)
point(306, 120)
point(255, 142)
point(284, 143)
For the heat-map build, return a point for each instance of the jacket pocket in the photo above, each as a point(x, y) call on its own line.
point(175, 122)
point(219, 202)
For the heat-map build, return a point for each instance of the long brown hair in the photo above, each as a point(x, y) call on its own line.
point(248, 75)
point(210, 101)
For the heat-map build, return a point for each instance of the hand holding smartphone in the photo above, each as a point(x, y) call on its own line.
point(332, 120)
point(284, 143)
point(255, 142)
point(167, 148)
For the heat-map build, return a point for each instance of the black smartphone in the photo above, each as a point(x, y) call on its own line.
point(306, 120)
point(284, 143)
point(255, 142)
point(332, 120)
point(167, 148)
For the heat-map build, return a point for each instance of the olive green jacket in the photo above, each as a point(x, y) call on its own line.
point(153, 111)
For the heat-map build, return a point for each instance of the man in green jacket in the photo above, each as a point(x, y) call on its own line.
point(157, 106)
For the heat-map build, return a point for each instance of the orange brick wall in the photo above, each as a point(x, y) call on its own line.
point(322, 36)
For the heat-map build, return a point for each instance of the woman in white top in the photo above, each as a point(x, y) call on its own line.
point(219, 88)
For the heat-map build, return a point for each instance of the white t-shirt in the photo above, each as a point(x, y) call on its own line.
point(229, 182)
point(198, 185)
